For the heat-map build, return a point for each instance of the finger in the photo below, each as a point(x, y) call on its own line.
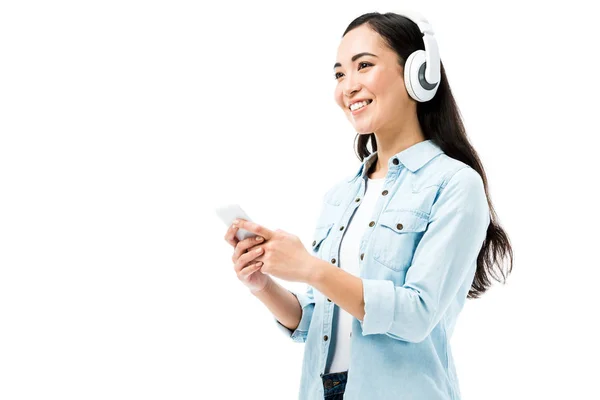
point(255, 228)
point(250, 257)
point(250, 269)
point(247, 258)
point(230, 235)
point(245, 245)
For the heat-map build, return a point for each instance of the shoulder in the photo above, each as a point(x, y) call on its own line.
point(333, 195)
point(464, 177)
point(444, 170)
point(459, 185)
point(464, 191)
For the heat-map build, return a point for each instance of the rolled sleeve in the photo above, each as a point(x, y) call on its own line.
point(443, 266)
point(378, 296)
point(307, 303)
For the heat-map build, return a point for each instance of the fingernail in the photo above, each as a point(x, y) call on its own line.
point(237, 221)
point(258, 238)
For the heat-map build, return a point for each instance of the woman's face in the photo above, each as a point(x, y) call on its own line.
point(377, 77)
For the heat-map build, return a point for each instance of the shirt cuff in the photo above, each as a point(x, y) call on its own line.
point(379, 306)
point(299, 335)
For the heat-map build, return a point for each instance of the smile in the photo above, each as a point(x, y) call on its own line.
point(360, 106)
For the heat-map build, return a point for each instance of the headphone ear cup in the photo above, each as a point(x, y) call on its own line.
point(408, 76)
point(414, 63)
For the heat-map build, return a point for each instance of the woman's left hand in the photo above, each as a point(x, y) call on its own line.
point(284, 254)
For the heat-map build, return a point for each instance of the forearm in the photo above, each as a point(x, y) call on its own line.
point(282, 303)
point(341, 287)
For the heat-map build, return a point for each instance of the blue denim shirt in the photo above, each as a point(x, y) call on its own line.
point(417, 262)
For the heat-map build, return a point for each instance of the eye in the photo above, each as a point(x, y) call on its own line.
point(359, 64)
point(366, 63)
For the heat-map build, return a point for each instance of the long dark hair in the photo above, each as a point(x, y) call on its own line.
point(441, 122)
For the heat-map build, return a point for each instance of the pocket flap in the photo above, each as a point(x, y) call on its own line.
point(321, 233)
point(404, 220)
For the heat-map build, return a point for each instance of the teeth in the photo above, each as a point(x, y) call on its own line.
point(361, 104)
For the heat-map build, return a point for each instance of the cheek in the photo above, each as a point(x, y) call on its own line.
point(338, 97)
point(377, 85)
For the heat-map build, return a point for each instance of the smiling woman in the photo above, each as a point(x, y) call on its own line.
point(402, 242)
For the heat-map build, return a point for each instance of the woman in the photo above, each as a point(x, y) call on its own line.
point(419, 232)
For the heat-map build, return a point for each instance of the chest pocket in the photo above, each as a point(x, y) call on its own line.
point(321, 233)
point(396, 237)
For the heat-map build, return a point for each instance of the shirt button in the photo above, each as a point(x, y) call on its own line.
point(333, 260)
point(350, 334)
point(314, 242)
point(384, 192)
point(362, 256)
point(325, 338)
point(395, 161)
point(357, 199)
point(341, 228)
point(399, 226)
point(371, 223)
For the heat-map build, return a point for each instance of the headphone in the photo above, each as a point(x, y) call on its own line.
point(422, 68)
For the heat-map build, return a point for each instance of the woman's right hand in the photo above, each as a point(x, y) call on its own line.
point(245, 260)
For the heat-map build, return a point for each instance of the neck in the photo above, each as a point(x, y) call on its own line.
point(391, 142)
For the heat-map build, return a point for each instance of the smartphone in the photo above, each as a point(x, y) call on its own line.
point(231, 212)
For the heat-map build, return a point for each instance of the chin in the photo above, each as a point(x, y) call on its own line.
point(363, 131)
point(362, 127)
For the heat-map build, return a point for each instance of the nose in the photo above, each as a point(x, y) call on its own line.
point(351, 90)
point(351, 86)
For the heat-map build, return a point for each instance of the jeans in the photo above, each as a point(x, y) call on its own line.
point(334, 385)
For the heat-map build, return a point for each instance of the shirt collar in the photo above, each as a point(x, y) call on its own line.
point(412, 158)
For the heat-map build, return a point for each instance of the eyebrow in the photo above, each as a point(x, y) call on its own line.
point(354, 58)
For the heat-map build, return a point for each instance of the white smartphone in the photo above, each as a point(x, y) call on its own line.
point(229, 213)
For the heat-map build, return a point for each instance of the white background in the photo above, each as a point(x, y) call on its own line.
point(123, 124)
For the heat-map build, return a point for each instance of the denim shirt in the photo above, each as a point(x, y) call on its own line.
point(418, 257)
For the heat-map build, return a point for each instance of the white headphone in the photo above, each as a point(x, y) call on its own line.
point(422, 69)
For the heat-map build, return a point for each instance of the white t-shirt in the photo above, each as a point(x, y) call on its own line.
point(338, 358)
